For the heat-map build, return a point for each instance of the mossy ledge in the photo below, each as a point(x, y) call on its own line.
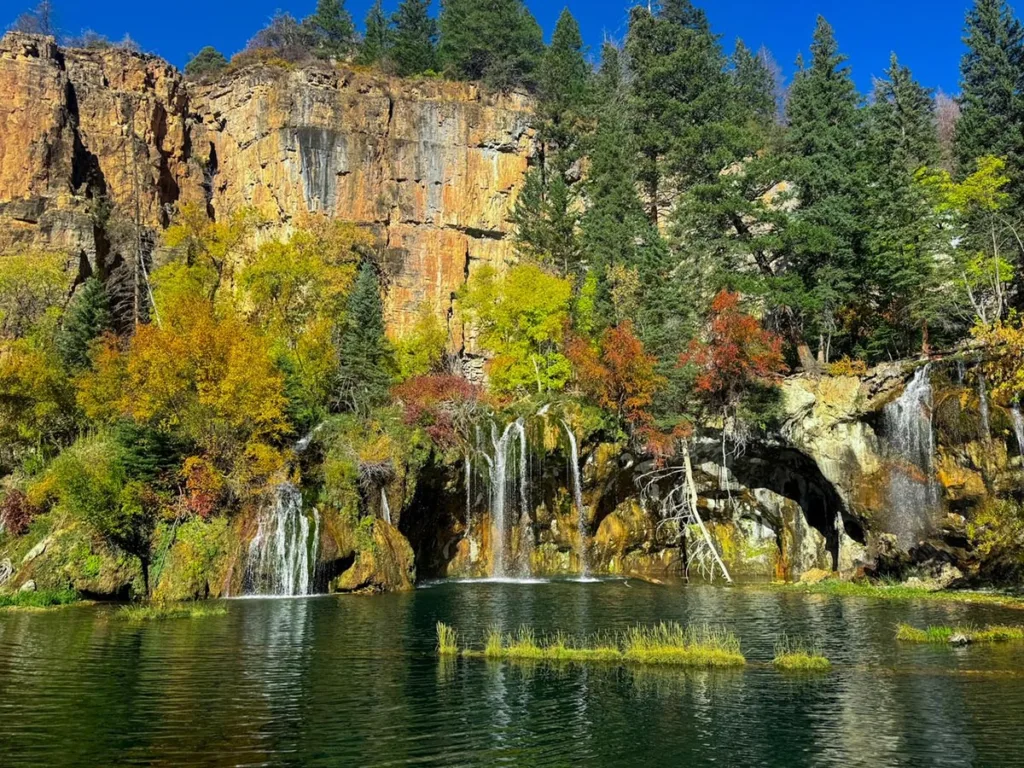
point(660, 645)
point(906, 633)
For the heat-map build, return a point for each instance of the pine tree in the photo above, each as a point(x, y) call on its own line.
point(377, 41)
point(546, 214)
point(209, 61)
point(991, 76)
point(546, 217)
point(88, 317)
point(332, 28)
point(754, 85)
point(903, 233)
point(414, 48)
point(825, 165)
point(366, 366)
point(562, 92)
point(497, 41)
point(680, 101)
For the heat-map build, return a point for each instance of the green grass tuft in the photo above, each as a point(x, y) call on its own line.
point(795, 656)
point(447, 640)
point(896, 592)
point(40, 599)
point(906, 633)
point(664, 644)
point(164, 611)
point(690, 647)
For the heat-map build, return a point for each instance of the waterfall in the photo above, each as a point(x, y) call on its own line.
point(281, 554)
point(469, 496)
point(1018, 428)
point(986, 428)
point(577, 493)
point(385, 508)
point(913, 493)
point(510, 493)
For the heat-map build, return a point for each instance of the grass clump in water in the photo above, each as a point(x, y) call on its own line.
point(164, 611)
point(39, 599)
point(447, 640)
point(664, 644)
point(897, 592)
point(906, 633)
point(672, 644)
point(794, 656)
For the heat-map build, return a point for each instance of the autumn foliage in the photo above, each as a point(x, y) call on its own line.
point(443, 405)
point(735, 354)
point(617, 374)
point(16, 512)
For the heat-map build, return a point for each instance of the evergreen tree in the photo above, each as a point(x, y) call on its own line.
point(377, 40)
point(414, 48)
point(546, 217)
point(680, 101)
point(991, 74)
point(88, 317)
point(825, 165)
point(332, 28)
point(562, 93)
point(754, 85)
point(546, 214)
point(366, 364)
point(497, 41)
point(903, 233)
point(208, 61)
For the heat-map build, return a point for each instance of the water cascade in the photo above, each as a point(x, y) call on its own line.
point(913, 492)
point(469, 496)
point(385, 508)
point(1018, 428)
point(509, 486)
point(577, 492)
point(283, 553)
point(986, 428)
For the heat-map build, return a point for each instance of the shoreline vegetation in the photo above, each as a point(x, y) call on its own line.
point(896, 592)
point(666, 644)
point(39, 600)
point(966, 635)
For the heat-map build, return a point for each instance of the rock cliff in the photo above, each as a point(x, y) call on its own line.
point(432, 166)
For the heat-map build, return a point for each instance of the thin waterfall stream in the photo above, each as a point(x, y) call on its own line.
point(577, 492)
point(913, 491)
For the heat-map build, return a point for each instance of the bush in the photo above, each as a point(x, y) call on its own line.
point(16, 513)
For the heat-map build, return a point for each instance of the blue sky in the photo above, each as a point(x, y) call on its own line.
point(925, 33)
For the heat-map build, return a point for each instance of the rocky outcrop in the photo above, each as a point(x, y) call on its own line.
point(432, 166)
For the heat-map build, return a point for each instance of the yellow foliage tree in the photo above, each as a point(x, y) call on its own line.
point(521, 318)
point(206, 377)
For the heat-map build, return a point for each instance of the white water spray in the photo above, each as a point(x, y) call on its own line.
point(577, 492)
point(509, 485)
point(913, 492)
point(986, 428)
point(281, 554)
point(1018, 428)
point(385, 508)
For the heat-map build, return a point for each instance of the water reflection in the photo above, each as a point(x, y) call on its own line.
point(355, 681)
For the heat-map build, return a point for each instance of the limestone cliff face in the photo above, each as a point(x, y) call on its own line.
point(432, 166)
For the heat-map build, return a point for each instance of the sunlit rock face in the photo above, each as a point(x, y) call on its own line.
point(432, 166)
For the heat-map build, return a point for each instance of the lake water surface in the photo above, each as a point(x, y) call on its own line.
point(354, 681)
